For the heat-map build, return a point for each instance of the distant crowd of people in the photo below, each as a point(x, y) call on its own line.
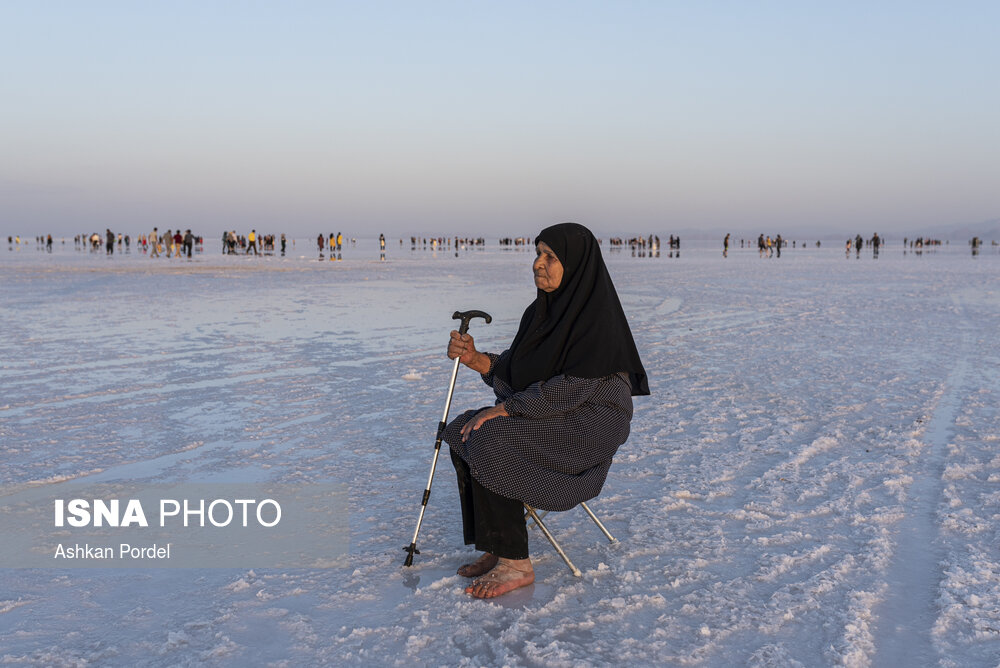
point(651, 242)
point(334, 243)
point(445, 243)
point(169, 243)
point(41, 242)
point(875, 242)
point(643, 245)
point(174, 243)
point(234, 244)
point(768, 246)
point(516, 241)
point(920, 242)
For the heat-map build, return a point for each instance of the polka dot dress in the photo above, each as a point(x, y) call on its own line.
point(555, 449)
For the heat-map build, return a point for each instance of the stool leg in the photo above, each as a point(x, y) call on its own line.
point(541, 514)
point(600, 526)
point(541, 525)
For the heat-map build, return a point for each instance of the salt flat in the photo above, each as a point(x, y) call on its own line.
point(815, 479)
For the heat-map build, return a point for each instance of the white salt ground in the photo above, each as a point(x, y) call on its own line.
point(815, 479)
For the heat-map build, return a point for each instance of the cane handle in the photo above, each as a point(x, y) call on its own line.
point(466, 316)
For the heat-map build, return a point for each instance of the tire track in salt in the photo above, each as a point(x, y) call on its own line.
point(908, 613)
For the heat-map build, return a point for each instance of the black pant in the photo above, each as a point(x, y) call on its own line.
point(491, 522)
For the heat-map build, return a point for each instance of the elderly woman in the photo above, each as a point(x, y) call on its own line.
point(564, 402)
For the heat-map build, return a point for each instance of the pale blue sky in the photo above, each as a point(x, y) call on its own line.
point(498, 118)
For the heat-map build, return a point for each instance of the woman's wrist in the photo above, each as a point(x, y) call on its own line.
point(481, 363)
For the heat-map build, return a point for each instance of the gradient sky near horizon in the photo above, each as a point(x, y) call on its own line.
point(497, 119)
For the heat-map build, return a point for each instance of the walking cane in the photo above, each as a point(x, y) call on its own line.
point(465, 317)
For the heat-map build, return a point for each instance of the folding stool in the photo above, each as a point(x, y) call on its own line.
point(530, 512)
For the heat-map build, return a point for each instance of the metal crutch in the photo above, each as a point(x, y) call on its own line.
point(465, 317)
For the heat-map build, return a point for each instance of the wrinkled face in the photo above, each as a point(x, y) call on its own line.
point(547, 268)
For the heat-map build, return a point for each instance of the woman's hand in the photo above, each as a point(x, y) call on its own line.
point(463, 347)
point(482, 416)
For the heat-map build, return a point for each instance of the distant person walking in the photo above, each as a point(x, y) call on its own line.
point(252, 243)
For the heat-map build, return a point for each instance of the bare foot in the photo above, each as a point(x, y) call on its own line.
point(483, 564)
point(507, 575)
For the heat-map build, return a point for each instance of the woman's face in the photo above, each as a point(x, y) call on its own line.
point(547, 268)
